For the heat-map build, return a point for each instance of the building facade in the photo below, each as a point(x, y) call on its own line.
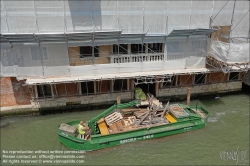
point(62, 53)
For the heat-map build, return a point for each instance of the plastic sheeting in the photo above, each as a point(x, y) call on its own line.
point(34, 61)
point(116, 75)
point(230, 52)
point(53, 60)
point(154, 17)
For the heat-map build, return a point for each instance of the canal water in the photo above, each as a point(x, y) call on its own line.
point(223, 141)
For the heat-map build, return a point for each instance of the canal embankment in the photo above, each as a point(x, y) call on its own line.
point(32, 110)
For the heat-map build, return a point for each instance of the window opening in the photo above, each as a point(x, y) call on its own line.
point(44, 91)
point(87, 87)
point(122, 49)
point(86, 51)
point(137, 48)
point(120, 85)
point(199, 79)
point(154, 47)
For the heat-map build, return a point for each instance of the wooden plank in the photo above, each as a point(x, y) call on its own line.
point(112, 118)
point(132, 110)
point(103, 127)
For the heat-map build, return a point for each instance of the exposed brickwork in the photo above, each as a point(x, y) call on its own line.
point(186, 80)
point(13, 93)
point(71, 89)
point(217, 77)
point(104, 85)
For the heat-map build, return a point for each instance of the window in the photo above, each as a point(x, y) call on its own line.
point(171, 81)
point(234, 76)
point(38, 53)
point(137, 48)
point(86, 51)
point(44, 91)
point(120, 85)
point(87, 87)
point(154, 47)
point(122, 49)
point(199, 79)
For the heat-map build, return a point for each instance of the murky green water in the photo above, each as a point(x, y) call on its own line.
point(223, 141)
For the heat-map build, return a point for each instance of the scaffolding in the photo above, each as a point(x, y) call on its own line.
point(35, 43)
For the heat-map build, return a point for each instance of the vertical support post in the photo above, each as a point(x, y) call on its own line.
point(52, 91)
point(231, 23)
point(157, 88)
point(128, 87)
point(188, 95)
point(36, 93)
point(55, 89)
point(65, 89)
point(118, 100)
point(79, 88)
point(132, 88)
point(94, 87)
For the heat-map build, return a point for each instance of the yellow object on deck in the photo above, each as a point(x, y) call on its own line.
point(103, 127)
point(171, 119)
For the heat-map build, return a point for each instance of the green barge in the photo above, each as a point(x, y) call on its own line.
point(127, 122)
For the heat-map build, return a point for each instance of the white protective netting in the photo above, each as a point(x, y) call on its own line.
point(154, 17)
point(30, 61)
point(193, 49)
point(230, 52)
point(157, 18)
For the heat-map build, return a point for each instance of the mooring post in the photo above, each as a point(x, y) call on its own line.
point(188, 95)
point(118, 100)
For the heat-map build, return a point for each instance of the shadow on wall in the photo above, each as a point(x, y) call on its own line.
point(84, 16)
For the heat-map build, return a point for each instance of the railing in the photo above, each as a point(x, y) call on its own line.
point(126, 58)
point(177, 55)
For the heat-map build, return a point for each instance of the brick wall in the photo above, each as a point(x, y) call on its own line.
point(186, 80)
point(217, 77)
point(13, 93)
point(60, 88)
point(104, 84)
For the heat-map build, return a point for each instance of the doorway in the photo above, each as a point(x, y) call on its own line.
point(146, 87)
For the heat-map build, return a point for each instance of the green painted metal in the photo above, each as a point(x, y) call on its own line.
point(98, 141)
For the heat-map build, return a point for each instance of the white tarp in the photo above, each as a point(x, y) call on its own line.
point(154, 17)
point(230, 52)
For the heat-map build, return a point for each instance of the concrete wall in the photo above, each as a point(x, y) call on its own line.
point(92, 99)
point(201, 89)
point(13, 93)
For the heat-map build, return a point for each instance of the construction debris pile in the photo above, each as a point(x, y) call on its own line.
point(128, 119)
